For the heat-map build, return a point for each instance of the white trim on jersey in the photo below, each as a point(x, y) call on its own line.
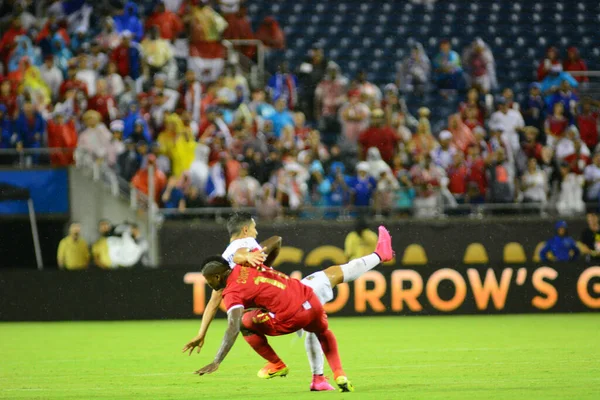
point(245, 243)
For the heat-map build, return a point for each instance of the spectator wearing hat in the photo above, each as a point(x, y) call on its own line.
point(184, 152)
point(168, 23)
point(62, 134)
point(128, 57)
point(284, 84)
point(140, 180)
point(414, 73)
point(443, 155)
point(117, 147)
point(129, 161)
point(587, 122)
point(128, 20)
point(51, 75)
point(555, 124)
point(510, 121)
point(561, 247)
point(551, 59)
point(533, 109)
point(354, 117)
point(132, 118)
point(157, 52)
point(574, 63)
point(447, 67)
point(380, 136)
point(329, 96)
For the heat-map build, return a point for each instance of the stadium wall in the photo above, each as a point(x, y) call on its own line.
point(388, 290)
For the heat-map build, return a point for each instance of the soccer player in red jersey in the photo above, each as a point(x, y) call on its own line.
point(285, 305)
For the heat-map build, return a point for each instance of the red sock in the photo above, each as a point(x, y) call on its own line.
point(330, 348)
point(260, 344)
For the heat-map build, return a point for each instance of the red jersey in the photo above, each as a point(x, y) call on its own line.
point(267, 289)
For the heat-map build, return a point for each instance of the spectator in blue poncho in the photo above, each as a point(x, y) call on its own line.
point(61, 53)
point(30, 127)
point(129, 20)
point(281, 118)
point(131, 122)
point(561, 246)
point(553, 81)
point(24, 48)
point(7, 141)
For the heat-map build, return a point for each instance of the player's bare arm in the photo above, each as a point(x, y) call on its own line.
point(271, 247)
point(209, 314)
point(234, 321)
point(245, 256)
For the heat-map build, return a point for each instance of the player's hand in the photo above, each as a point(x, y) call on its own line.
point(209, 369)
point(256, 258)
point(198, 342)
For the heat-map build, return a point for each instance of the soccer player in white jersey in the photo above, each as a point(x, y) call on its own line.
point(244, 249)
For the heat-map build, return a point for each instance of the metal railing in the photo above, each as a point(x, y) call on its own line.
point(255, 71)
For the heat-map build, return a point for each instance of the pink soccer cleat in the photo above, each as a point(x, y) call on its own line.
point(384, 245)
point(319, 384)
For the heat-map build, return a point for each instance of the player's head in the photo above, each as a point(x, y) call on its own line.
point(215, 270)
point(241, 225)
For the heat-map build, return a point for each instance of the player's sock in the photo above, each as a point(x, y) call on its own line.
point(355, 268)
point(314, 353)
point(260, 344)
point(330, 348)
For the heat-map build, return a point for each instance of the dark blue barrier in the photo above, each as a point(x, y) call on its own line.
point(49, 189)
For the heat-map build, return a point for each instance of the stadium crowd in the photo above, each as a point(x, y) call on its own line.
point(134, 84)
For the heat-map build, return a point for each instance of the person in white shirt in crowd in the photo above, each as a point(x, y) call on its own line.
point(354, 117)
point(86, 74)
point(534, 183)
point(244, 190)
point(480, 67)
point(571, 144)
point(511, 123)
point(592, 179)
point(52, 75)
point(443, 155)
point(570, 198)
point(117, 147)
point(414, 73)
point(94, 141)
point(114, 81)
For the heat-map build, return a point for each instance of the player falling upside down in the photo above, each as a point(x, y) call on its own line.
point(243, 249)
point(286, 304)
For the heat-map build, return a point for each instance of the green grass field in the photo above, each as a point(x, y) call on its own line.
point(479, 357)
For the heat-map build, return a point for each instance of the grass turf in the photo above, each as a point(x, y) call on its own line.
point(477, 357)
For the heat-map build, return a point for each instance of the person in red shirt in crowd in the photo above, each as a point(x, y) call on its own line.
point(473, 102)
point(556, 124)
point(8, 97)
point(587, 122)
point(140, 179)
point(8, 39)
point(52, 27)
point(127, 56)
point(471, 120)
point(169, 24)
point(103, 102)
point(530, 146)
point(270, 33)
point(462, 136)
point(72, 83)
point(573, 151)
point(458, 174)
point(477, 177)
point(380, 136)
point(61, 134)
point(552, 58)
point(240, 27)
point(574, 63)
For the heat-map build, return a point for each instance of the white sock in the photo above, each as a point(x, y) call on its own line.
point(314, 353)
point(355, 268)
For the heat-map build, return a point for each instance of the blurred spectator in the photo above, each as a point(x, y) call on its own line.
point(510, 122)
point(380, 136)
point(534, 183)
point(62, 134)
point(567, 97)
point(458, 174)
point(23, 49)
point(8, 138)
point(360, 242)
point(590, 236)
point(369, 92)
point(271, 35)
point(553, 81)
point(415, 70)
point(406, 192)
point(329, 96)
point(443, 155)
point(340, 192)
point(477, 178)
point(571, 191)
point(473, 102)
point(281, 118)
point(426, 178)
point(447, 67)
point(73, 252)
point(587, 122)
point(310, 73)
point(94, 141)
point(555, 124)
point(9, 38)
point(128, 57)
point(128, 20)
point(267, 206)
point(362, 186)
point(244, 190)
point(551, 59)
point(291, 187)
point(173, 197)
point(480, 66)
point(168, 23)
point(284, 84)
point(103, 102)
point(128, 162)
point(462, 137)
point(239, 25)
point(423, 141)
point(319, 187)
point(51, 75)
point(206, 51)
point(108, 38)
point(115, 83)
point(354, 117)
point(509, 96)
point(100, 254)
point(30, 127)
point(501, 179)
point(534, 110)
point(116, 147)
point(140, 180)
point(592, 178)
point(572, 150)
point(8, 97)
point(530, 146)
point(574, 63)
point(183, 153)
point(157, 52)
point(190, 92)
point(561, 246)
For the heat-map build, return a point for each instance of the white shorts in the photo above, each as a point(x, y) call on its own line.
point(319, 282)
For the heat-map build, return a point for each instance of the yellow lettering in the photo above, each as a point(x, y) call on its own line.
point(261, 279)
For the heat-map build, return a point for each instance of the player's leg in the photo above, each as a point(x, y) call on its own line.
point(255, 326)
point(315, 359)
point(355, 268)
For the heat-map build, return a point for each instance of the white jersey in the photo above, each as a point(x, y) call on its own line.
point(245, 243)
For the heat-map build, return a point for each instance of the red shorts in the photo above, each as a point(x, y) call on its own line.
point(311, 317)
